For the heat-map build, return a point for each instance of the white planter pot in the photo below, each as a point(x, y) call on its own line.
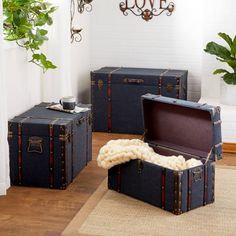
point(227, 94)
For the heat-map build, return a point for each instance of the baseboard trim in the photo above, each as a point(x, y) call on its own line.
point(229, 147)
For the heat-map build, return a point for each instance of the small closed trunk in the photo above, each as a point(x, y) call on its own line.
point(48, 148)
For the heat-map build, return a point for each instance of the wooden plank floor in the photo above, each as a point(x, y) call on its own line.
point(35, 211)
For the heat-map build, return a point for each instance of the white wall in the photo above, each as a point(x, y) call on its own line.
point(164, 42)
point(168, 42)
point(219, 16)
point(56, 83)
point(111, 39)
point(23, 80)
point(80, 60)
point(72, 75)
point(4, 152)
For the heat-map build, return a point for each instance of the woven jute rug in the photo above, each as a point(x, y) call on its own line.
point(108, 213)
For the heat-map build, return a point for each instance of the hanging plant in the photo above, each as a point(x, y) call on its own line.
point(25, 22)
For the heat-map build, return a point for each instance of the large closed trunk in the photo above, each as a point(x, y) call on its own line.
point(116, 95)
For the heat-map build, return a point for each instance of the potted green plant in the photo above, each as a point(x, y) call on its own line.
point(26, 23)
point(227, 55)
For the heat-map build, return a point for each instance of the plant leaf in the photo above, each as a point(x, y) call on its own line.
point(233, 48)
point(50, 65)
point(227, 38)
point(24, 19)
point(53, 9)
point(49, 20)
point(219, 59)
point(41, 19)
point(16, 18)
point(220, 71)
point(231, 63)
point(36, 57)
point(230, 78)
point(43, 32)
point(218, 50)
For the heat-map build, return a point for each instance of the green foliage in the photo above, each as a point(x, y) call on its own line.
point(25, 22)
point(226, 55)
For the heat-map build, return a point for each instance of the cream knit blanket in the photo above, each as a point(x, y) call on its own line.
point(119, 151)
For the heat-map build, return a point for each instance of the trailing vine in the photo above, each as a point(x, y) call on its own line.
point(25, 21)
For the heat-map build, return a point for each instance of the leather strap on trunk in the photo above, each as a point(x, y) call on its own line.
point(189, 189)
point(213, 182)
point(51, 154)
point(163, 188)
point(178, 192)
point(87, 125)
point(63, 156)
point(160, 81)
point(109, 107)
point(205, 185)
point(72, 150)
point(43, 118)
point(118, 178)
point(20, 160)
point(177, 87)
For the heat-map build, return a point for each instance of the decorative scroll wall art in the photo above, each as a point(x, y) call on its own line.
point(80, 6)
point(147, 9)
point(84, 5)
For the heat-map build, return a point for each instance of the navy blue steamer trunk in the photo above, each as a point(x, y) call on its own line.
point(48, 148)
point(174, 127)
point(116, 95)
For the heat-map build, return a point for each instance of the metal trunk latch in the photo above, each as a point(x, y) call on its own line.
point(35, 144)
point(140, 166)
point(144, 135)
point(90, 120)
point(65, 137)
point(133, 81)
point(100, 84)
point(169, 88)
point(81, 121)
point(197, 174)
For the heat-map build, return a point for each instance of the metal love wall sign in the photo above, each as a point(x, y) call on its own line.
point(147, 9)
